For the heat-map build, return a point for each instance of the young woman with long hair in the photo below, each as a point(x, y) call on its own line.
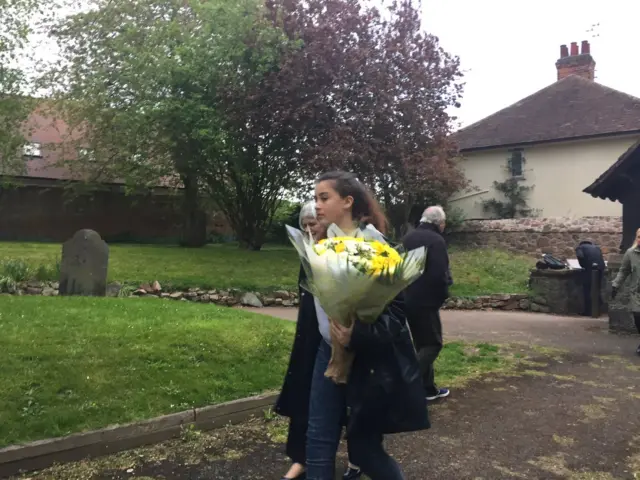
point(384, 392)
point(297, 382)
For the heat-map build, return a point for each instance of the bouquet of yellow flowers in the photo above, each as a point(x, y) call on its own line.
point(353, 277)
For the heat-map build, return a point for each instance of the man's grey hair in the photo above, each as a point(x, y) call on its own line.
point(434, 214)
point(308, 210)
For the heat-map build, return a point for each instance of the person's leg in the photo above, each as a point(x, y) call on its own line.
point(600, 283)
point(586, 292)
point(636, 317)
point(326, 411)
point(374, 461)
point(296, 446)
point(430, 347)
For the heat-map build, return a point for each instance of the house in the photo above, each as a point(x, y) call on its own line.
point(38, 205)
point(621, 183)
point(557, 140)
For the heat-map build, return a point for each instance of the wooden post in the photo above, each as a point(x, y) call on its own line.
point(595, 291)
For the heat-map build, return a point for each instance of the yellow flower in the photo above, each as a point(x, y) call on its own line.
point(340, 248)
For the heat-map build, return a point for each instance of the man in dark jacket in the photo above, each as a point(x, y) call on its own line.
point(588, 255)
point(425, 296)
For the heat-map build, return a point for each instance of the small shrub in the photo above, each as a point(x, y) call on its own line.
point(286, 214)
point(455, 218)
point(126, 291)
point(16, 269)
point(48, 272)
point(7, 285)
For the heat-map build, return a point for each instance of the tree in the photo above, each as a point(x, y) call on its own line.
point(369, 93)
point(18, 20)
point(142, 81)
point(515, 204)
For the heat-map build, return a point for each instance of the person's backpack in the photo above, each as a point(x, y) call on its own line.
point(552, 262)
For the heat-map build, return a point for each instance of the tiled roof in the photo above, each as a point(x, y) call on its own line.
point(573, 107)
point(614, 182)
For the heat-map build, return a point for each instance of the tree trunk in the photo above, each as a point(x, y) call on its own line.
point(250, 239)
point(194, 226)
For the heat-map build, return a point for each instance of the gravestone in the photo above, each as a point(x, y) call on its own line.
point(83, 270)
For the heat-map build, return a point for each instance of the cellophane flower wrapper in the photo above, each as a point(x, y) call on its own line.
point(348, 288)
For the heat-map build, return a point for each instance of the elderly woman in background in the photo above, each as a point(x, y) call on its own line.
point(300, 370)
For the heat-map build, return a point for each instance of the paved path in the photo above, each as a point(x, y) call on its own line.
point(572, 415)
point(504, 327)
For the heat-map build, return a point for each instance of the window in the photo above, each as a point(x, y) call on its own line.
point(516, 161)
point(32, 149)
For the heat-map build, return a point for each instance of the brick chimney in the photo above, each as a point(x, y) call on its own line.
point(574, 62)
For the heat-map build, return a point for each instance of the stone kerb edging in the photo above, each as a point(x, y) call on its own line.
point(44, 453)
point(284, 298)
point(231, 297)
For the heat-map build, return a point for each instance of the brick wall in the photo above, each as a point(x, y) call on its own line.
point(558, 236)
point(50, 214)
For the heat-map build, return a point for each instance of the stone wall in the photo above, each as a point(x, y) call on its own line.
point(226, 297)
point(561, 290)
point(554, 292)
point(558, 236)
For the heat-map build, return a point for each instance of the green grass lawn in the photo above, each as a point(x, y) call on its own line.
point(475, 272)
point(484, 271)
point(213, 266)
point(71, 364)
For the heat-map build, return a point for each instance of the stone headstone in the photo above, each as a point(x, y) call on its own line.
point(83, 269)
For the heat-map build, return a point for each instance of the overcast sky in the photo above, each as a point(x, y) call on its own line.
point(508, 48)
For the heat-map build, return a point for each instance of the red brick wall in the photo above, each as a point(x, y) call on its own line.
point(48, 214)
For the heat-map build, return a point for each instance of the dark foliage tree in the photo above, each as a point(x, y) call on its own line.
point(367, 92)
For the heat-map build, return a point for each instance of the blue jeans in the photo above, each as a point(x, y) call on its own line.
point(327, 409)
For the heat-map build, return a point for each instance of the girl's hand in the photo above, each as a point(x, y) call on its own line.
point(341, 333)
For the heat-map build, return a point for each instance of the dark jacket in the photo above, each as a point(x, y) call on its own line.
point(384, 391)
point(587, 254)
point(432, 288)
point(297, 382)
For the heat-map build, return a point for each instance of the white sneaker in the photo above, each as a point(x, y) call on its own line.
point(442, 393)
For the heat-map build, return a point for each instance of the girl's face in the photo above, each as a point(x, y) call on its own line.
point(310, 224)
point(330, 206)
point(638, 236)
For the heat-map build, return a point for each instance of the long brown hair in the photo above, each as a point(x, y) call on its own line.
point(365, 207)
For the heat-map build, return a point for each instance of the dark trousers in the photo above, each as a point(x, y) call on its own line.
point(327, 408)
point(426, 328)
point(636, 317)
point(297, 440)
point(586, 291)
